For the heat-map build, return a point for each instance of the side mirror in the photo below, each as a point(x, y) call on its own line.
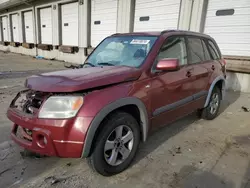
point(168, 65)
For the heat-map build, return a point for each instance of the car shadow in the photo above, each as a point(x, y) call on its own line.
point(230, 98)
point(160, 136)
point(231, 95)
point(191, 177)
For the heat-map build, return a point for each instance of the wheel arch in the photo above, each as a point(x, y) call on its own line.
point(95, 124)
point(221, 82)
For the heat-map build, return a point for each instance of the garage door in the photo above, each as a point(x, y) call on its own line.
point(1, 38)
point(103, 19)
point(229, 23)
point(15, 28)
point(5, 28)
point(46, 25)
point(70, 24)
point(28, 27)
point(156, 15)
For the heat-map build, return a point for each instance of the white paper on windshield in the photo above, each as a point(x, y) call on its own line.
point(137, 41)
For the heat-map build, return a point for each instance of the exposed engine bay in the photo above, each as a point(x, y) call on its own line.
point(29, 101)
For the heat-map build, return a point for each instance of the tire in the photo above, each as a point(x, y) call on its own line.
point(208, 113)
point(101, 157)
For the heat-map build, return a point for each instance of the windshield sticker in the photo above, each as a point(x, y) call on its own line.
point(136, 41)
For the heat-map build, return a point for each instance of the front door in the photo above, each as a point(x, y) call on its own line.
point(170, 92)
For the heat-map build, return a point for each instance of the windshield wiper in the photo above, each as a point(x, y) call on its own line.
point(78, 66)
point(109, 63)
point(88, 63)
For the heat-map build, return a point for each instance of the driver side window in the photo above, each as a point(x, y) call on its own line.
point(174, 47)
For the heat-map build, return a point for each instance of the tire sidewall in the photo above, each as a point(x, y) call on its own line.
point(98, 160)
point(208, 114)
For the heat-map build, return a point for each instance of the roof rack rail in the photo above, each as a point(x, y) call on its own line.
point(174, 30)
point(166, 31)
point(115, 34)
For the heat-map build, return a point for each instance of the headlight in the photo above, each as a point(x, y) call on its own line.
point(59, 107)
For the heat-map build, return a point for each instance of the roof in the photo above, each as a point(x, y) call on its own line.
point(158, 33)
point(149, 33)
point(6, 4)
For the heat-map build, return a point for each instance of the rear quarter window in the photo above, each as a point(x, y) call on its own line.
point(213, 50)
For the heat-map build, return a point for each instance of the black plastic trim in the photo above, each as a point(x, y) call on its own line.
point(179, 103)
point(109, 108)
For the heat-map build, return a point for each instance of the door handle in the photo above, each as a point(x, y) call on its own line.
point(189, 74)
point(213, 67)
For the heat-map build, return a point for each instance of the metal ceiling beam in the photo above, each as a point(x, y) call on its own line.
point(6, 4)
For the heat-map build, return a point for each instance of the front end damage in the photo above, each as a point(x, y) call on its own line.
point(52, 137)
point(27, 103)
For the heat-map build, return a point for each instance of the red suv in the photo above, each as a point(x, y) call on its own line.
point(130, 84)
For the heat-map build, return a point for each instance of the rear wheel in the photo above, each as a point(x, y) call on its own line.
point(211, 111)
point(116, 144)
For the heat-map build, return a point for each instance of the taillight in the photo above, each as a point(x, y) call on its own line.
point(224, 62)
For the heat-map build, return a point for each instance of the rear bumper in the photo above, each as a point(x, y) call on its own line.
point(61, 138)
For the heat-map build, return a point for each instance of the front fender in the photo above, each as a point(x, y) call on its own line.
point(96, 122)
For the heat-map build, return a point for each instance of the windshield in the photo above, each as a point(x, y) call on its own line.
point(122, 51)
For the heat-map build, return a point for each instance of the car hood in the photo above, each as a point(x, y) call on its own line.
point(81, 79)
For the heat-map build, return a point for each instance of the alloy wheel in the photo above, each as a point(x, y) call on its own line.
point(118, 145)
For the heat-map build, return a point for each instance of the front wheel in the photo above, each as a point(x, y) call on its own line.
point(212, 110)
point(116, 144)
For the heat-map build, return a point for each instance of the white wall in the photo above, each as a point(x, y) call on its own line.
point(238, 82)
point(53, 54)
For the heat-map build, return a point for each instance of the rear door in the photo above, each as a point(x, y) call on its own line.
point(199, 61)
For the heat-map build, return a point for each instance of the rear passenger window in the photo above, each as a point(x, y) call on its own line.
point(196, 50)
point(205, 51)
point(213, 50)
point(174, 48)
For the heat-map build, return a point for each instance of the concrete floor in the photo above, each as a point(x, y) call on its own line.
point(212, 154)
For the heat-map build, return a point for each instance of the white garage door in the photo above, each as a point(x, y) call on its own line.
point(28, 27)
point(1, 39)
point(5, 28)
point(70, 24)
point(229, 23)
point(15, 28)
point(103, 20)
point(156, 15)
point(46, 25)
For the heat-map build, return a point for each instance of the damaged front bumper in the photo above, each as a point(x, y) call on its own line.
point(51, 137)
